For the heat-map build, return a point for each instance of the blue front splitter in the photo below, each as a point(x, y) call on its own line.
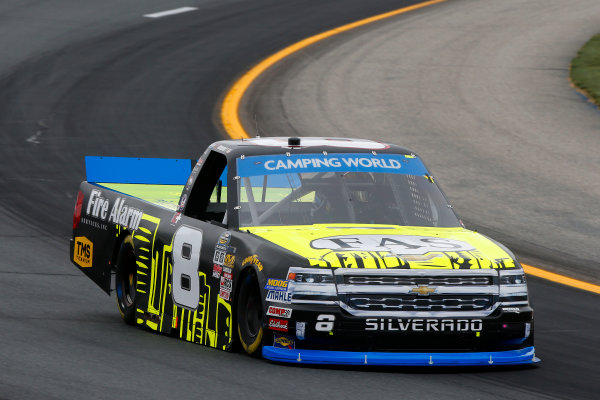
point(300, 356)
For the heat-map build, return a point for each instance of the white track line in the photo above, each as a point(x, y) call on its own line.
point(170, 12)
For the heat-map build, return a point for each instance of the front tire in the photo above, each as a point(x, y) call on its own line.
point(126, 281)
point(250, 315)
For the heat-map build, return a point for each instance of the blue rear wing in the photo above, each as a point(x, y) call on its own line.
point(151, 171)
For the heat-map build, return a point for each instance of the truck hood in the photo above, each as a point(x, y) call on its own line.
point(387, 246)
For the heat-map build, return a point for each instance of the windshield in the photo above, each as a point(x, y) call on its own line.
point(339, 188)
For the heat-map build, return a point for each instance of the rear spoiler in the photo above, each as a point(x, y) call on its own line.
point(153, 171)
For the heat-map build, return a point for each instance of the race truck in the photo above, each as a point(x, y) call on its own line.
point(301, 250)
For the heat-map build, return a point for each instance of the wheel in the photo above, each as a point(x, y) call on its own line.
point(250, 315)
point(125, 281)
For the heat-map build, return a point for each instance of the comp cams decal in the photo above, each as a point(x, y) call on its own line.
point(119, 214)
point(280, 312)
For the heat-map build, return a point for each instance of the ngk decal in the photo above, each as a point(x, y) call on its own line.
point(279, 312)
point(120, 213)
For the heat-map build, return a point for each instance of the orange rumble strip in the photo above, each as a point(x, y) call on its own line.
point(565, 280)
point(229, 108)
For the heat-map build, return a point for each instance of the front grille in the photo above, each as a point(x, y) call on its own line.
point(416, 303)
point(417, 280)
point(406, 292)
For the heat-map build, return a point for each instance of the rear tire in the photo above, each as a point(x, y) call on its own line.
point(126, 281)
point(250, 315)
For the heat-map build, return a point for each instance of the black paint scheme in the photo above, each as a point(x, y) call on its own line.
point(212, 322)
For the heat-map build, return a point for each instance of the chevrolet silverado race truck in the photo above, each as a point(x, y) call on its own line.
point(311, 250)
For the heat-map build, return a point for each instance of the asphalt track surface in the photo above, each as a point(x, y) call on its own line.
point(100, 79)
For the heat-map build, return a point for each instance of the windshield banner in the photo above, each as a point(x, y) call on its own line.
point(342, 162)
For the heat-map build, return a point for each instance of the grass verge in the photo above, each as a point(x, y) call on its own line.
point(585, 69)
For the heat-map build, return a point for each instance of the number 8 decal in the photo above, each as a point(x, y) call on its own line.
point(187, 243)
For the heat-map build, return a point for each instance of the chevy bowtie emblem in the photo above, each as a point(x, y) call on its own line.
point(423, 290)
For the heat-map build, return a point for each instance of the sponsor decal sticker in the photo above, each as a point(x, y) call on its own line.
point(225, 238)
point(83, 252)
point(277, 284)
point(280, 312)
point(253, 259)
point(224, 294)
point(226, 284)
point(395, 244)
point(357, 162)
point(423, 325)
point(223, 250)
point(300, 330)
point(283, 342)
point(279, 297)
point(94, 224)
point(176, 218)
point(120, 213)
point(217, 269)
point(278, 324)
point(219, 256)
point(229, 260)
point(183, 201)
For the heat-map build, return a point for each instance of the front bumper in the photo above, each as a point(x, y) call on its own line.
point(303, 356)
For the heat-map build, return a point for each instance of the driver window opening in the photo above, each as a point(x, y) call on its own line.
point(208, 198)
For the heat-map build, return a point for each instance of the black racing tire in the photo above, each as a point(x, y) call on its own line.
point(126, 281)
point(250, 315)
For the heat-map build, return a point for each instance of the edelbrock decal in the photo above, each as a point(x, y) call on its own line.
point(395, 244)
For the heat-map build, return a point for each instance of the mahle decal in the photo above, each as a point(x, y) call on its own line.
point(83, 252)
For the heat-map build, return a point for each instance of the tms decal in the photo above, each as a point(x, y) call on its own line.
point(83, 252)
point(120, 214)
point(395, 244)
point(423, 325)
